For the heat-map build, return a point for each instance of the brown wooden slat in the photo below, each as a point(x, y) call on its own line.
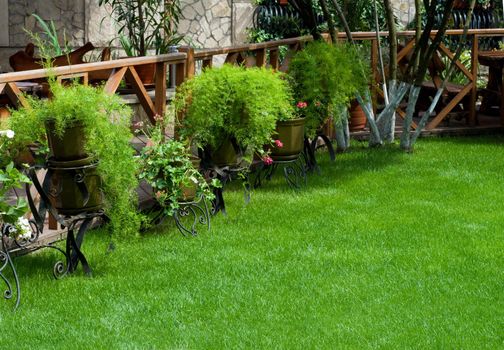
point(459, 64)
point(274, 59)
point(114, 80)
point(160, 99)
point(260, 56)
point(2, 87)
point(449, 107)
point(405, 50)
point(172, 58)
point(15, 95)
point(180, 74)
point(84, 76)
point(139, 89)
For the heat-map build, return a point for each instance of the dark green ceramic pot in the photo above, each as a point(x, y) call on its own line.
point(225, 155)
point(75, 186)
point(70, 146)
point(291, 134)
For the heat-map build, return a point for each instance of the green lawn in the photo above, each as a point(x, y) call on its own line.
point(383, 249)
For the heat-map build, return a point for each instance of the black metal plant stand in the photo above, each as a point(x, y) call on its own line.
point(225, 175)
point(294, 171)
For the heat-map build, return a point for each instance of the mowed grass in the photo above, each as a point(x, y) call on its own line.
point(381, 250)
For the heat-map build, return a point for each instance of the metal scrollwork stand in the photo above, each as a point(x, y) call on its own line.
point(6, 263)
point(294, 172)
point(75, 223)
point(196, 212)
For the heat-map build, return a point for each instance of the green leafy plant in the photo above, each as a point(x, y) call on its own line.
point(233, 102)
point(146, 24)
point(52, 42)
point(325, 77)
point(105, 120)
point(10, 178)
point(169, 168)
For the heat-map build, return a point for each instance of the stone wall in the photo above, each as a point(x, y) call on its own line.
point(205, 23)
point(405, 11)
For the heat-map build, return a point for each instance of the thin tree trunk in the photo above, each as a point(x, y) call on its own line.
point(343, 20)
point(330, 22)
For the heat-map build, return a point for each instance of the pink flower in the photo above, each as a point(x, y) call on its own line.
point(267, 160)
point(158, 118)
point(278, 143)
point(302, 105)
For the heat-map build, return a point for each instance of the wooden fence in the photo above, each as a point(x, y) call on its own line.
point(261, 54)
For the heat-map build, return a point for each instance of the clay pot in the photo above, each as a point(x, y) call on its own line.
point(357, 117)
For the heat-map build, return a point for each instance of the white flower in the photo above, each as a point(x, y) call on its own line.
point(7, 133)
point(23, 228)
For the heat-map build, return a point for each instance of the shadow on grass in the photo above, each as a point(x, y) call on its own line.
point(359, 159)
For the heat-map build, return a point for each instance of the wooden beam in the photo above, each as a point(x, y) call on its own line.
point(137, 85)
point(459, 64)
point(15, 95)
point(2, 87)
point(172, 58)
point(449, 107)
point(405, 50)
point(160, 97)
point(114, 80)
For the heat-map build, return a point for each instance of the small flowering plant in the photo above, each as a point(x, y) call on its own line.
point(167, 166)
point(10, 178)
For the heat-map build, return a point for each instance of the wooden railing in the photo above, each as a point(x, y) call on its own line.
point(261, 54)
point(256, 55)
point(115, 71)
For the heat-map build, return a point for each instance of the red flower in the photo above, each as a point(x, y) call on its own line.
point(278, 143)
point(267, 160)
point(302, 105)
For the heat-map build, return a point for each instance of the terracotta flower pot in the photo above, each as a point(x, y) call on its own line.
point(357, 117)
point(291, 134)
point(189, 191)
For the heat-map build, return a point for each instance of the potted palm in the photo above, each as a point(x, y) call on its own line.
point(102, 159)
point(232, 108)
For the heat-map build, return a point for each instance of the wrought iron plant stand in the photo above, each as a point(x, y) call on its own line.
point(75, 223)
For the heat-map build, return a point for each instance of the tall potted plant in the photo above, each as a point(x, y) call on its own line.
point(233, 106)
point(326, 77)
point(96, 127)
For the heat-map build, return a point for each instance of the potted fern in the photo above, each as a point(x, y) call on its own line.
point(232, 108)
point(102, 150)
point(326, 77)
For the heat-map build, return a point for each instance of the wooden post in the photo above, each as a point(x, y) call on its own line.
point(260, 57)
point(274, 59)
point(181, 73)
point(160, 97)
point(474, 71)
